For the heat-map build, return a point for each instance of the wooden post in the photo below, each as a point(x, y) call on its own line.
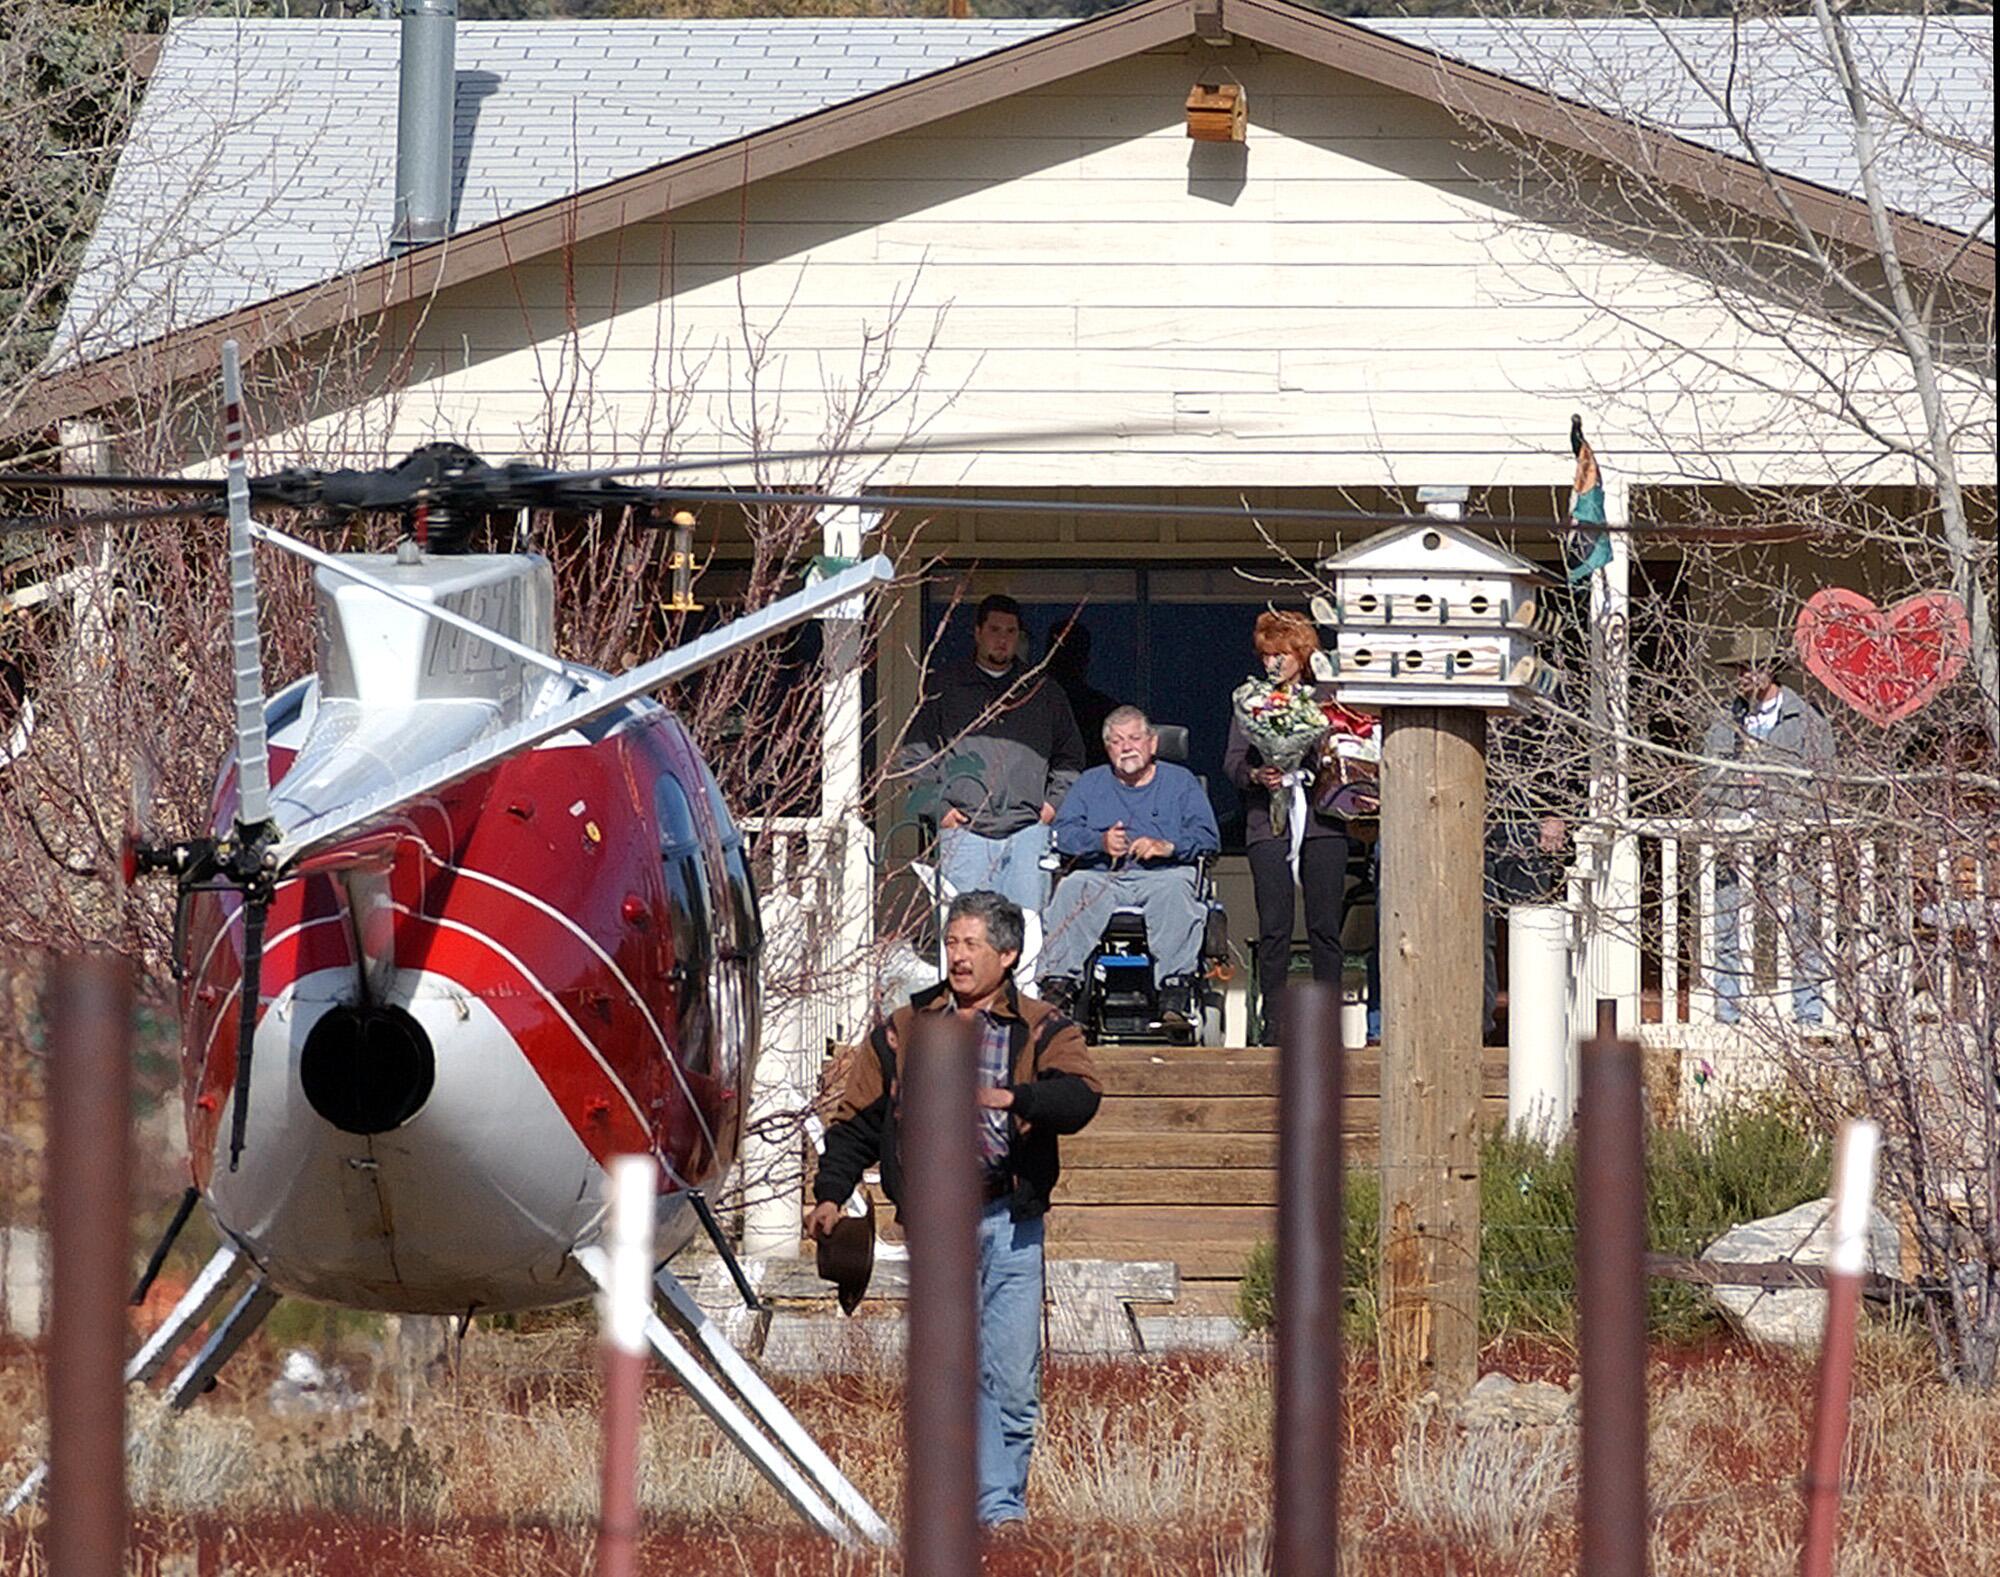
point(1433, 881)
point(1846, 1265)
point(941, 1371)
point(1613, 1522)
point(1305, 1467)
point(89, 1157)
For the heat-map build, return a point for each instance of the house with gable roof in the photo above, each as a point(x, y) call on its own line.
point(1075, 299)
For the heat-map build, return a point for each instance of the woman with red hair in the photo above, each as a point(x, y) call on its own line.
point(1309, 850)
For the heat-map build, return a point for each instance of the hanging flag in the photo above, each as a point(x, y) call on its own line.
point(1585, 551)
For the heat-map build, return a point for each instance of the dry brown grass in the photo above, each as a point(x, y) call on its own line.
point(1144, 1468)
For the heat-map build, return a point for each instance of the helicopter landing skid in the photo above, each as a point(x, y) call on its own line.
point(195, 1305)
point(789, 1458)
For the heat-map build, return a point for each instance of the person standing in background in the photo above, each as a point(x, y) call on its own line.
point(1311, 851)
point(1767, 723)
point(997, 749)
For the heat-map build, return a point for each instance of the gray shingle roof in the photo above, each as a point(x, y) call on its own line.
point(1932, 78)
point(262, 159)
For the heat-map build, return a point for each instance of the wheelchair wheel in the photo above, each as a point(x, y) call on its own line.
point(1209, 1031)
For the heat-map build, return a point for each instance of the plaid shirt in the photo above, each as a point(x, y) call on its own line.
point(995, 1042)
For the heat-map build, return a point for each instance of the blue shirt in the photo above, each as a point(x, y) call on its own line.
point(1172, 806)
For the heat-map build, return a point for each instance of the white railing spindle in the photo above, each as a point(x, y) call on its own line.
point(1670, 930)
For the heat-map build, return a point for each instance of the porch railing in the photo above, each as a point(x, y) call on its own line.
point(814, 878)
point(1837, 928)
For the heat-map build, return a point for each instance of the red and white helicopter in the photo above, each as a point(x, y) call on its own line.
point(483, 920)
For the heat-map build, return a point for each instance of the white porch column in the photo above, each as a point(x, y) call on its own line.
point(828, 949)
point(1614, 945)
point(851, 869)
point(85, 448)
point(1540, 1096)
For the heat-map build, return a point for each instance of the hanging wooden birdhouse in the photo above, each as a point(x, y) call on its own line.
point(1218, 113)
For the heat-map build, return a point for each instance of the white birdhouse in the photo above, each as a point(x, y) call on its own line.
point(1431, 614)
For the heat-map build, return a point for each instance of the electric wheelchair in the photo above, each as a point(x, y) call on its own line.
point(1122, 997)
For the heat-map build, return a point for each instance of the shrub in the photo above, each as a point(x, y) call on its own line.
point(368, 1477)
point(1745, 1162)
point(1256, 1307)
point(1527, 1235)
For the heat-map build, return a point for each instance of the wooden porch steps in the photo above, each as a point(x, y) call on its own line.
point(1180, 1162)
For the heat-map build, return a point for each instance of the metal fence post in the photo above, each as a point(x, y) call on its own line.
point(89, 1007)
point(1611, 1304)
point(630, 1196)
point(941, 1215)
point(1846, 1264)
point(1310, 1240)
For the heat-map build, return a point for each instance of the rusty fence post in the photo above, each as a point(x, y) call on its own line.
point(941, 1215)
point(89, 1011)
point(1311, 1233)
point(630, 1197)
point(1846, 1264)
point(1611, 1304)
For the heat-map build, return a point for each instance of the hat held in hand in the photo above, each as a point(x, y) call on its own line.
point(847, 1254)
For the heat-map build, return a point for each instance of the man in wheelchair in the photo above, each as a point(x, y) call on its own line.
point(1122, 936)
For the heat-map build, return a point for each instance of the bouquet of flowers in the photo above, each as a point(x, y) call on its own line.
point(1284, 722)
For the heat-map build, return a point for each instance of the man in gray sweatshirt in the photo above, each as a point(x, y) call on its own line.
point(1767, 724)
point(997, 748)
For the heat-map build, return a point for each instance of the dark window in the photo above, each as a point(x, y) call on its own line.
point(688, 919)
point(735, 936)
point(1174, 642)
point(743, 899)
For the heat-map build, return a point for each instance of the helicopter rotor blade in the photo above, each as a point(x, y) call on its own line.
point(341, 821)
point(253, 757)
point(101, 482)
point(964, 443)
point(254, 901)
point(11, 524)
point(886, 502)
point(570, 490)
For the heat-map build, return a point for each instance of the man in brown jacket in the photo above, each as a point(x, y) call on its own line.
point(1036, 1081)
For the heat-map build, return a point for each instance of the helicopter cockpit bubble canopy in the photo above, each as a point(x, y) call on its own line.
point(398, 688)
point(382, 653)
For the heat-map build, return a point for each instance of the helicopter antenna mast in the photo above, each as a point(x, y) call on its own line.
point(253, 757)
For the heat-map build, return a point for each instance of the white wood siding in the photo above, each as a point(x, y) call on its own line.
point(1345, 301)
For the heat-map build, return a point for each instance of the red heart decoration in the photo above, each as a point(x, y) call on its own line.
point(1884, 662)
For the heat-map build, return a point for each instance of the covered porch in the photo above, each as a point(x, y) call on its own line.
point(1166, 605)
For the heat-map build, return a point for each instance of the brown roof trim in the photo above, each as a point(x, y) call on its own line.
point(1110, 36)
point(1514, 106)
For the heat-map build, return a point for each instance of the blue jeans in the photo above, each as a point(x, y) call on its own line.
point(1010, 866)
point(1734, 975)
point(1010, 1359)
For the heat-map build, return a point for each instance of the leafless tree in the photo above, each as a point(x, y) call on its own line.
point(1864, 358)
point(131, 711)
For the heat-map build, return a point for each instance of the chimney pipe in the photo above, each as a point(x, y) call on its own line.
point(426, 99)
